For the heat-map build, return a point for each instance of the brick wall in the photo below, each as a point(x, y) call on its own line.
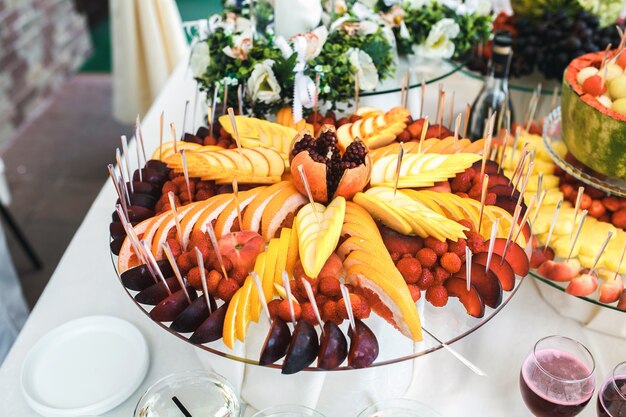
point(42, 42)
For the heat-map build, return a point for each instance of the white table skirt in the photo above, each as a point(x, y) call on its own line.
point(85, 284)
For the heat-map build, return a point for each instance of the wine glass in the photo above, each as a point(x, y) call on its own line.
point(557, 377)
point(612, 395)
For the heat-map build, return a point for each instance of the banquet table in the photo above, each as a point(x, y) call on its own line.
point(85, 283)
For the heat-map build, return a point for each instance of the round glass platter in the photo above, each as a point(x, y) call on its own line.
point(448, 324)
point(552, 137)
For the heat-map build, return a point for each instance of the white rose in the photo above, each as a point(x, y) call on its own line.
point(367, 27)
point(364, 69)
point(439, 43)
point(313, 42)
point(241, 45)
point(262, 83)
point(199, 59)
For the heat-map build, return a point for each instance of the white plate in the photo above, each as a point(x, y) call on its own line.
point(87, 366)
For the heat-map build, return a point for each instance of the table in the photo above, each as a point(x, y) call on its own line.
point(84, 284)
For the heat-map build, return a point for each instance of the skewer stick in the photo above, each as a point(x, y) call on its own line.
point(134, 241)
point(516, 213)
point(483, 196)
point(439, 93)
point(118, 190)
point(408, 88)
point(423, 94)
point(139, 138)
point(356, 95)
point(457, 126)
point(539, 204)
point(457, 355)
point(216, 90)
point(522, 191)
point(443, 110)
point(468, 110)
point(186, 173)
point(530, 206)
point(173, 136)
point(316, 98)
point(194, 112)
point(579, 198)
point(225, 103)
point(289, 296)
point(309, 293)
point(518, 131)
point(138, 155)
point(398, 168)
point(161, 117)
point(518, 169)
point(539, 184)
point(233, 121)
point(580, 228)
point(307, 188)
point(609, 235)
point(533, 97)
point(346, 298)
point(468, 267)
point(533, 110)
point(179, 231)
point(127, 159)
point(205, 290)
point(492, 242)
point(403, 90)
point(619, 264)
point(240, 99)
point(423, 135)
point(554, 218)
point(555, 97)
point(259, 288)
point(505, 147)
point(182, 132)
point(486, 149)
point(209, 119)
point(155, 266)
point(216, 247)
point(170, 257)
point(122, 178)
point(236, 200)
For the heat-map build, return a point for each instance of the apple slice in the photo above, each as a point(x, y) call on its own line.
point(559, 271)
point(582, 285)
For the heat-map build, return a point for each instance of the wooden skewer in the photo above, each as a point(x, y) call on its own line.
point(609, 235)
point(346, 298)
point(443, 110)
point(140, 139)
point(240, 99)
point(233, 121)
point(127, 159)
point(194, 112)
point(514, 224)
point(182, 132)
point(398, 168)
point(205, 290)
point(216, 90)
point(236, 200)
point(539, 184)
point(289, 296)
point(468, 267)
point(468, 110)
point(451, 108)
point(122, 178)
point(118, 190)
point(457, 126)
point(438, 108)
point(457, 355)
point(307, 188)
point(216, 247)
point(155, 266)
point(225, 104)
point(316, 98)
point(518, 130)
point(139, 164)
point(619, 264)
point(483, 196)
point(173, 136)
point(183, 156)
point(179, 231)
point(554, 218)
point(259, 288)
point(533, 199)
point(579, 198)
point(356, 94)
point(161, 117)
point(522, 191)
point(402, 90)
point(423, 135)
point(580, 228)
point(311, 296)
point(492, 241)
point(170, 257)
point(555, 97)
point(408, 89)
point(209, 118)
point(539, 204)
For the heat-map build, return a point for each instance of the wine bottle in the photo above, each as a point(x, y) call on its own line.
point(494, 96)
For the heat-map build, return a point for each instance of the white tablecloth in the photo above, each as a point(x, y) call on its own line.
point(85, 284)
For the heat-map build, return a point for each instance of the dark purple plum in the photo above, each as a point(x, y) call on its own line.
point(143, 200)
point(193, 316)
point(151, 175)
point(503, 189)
point(116, 229)
point(486, 283)
point(139, 277)
point(276, 342)
point(172, 306)
point(212, 328)
point(156, 293)
point(363, 345)
point(302, 349)
point(157, 165)
point(116, 245)
point(509, 203)
point(143, 187)
point(136, 214)
point(190, 137)
point(491, 167)
point(202, 132)
point(333, 347)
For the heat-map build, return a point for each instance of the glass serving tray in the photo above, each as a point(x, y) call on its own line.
point(449, 324)
point(551, 135)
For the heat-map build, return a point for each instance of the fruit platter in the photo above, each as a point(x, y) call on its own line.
point(327, 244)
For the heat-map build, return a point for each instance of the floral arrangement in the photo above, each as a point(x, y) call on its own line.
point(357, 41)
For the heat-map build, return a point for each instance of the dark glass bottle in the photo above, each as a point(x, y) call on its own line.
point(494, 96)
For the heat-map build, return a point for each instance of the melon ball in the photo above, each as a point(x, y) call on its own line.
point(619, 106)
point(612, 71)
point(585, 73)
point(617, 87)
point(605, 101)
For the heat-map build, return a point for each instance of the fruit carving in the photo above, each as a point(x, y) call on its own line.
point(329, 173)
point(594, 112)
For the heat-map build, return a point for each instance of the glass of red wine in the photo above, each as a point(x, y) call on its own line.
point(557, 377)
point(612, 395)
